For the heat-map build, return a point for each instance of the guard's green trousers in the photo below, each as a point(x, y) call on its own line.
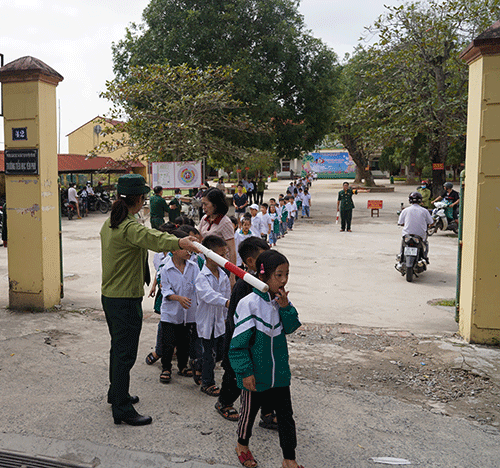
point(345, 219)
point(124, 318)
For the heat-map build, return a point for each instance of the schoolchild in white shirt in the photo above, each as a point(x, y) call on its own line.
point(299, 197)
point(265, 221)
point(240, 235)
point(272, 201)
point(213, 291)
point(275, 220)
point(159, 260)
point(291, 207)
point(256, 220)
point(198, 258)
point(283, 216)
point(306, 203)
point(178, 310)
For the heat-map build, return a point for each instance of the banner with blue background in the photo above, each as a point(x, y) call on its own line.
point(329, 165)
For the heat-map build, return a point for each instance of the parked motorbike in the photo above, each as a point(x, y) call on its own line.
point(69, 209)
point(99, 202)
point(412, 261)
point(104, 202)
point(443, 218)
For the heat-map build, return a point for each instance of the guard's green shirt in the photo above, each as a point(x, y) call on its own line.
point(157, 207)
point(345, 198)
point(426, 197)
point(124, 253)
point(261, 186)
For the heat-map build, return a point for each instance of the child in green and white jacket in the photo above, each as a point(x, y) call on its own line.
point(259, 357)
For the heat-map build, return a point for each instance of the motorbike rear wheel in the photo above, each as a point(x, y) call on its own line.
point(409, 274)
point(432, 230)
point(437, 226)
point(70, 213)
point(103, 206)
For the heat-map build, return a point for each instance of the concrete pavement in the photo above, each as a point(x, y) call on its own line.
point(53, 367)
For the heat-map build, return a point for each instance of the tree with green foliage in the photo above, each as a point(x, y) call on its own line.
point(356, 114)
point(285, 76)
point(421, 80)
point(176, 113)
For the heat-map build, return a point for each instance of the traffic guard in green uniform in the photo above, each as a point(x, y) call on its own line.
point(124, 246)
point(345, 205)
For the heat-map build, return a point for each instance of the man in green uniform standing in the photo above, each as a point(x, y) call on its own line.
point(157, 208)
point(345, 205)
point(261, 186)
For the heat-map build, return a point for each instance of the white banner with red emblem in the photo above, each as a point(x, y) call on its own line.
point(172, 175)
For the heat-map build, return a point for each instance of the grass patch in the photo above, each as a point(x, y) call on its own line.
point(446, 303)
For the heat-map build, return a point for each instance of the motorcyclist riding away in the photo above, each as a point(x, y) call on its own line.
point(415, 220)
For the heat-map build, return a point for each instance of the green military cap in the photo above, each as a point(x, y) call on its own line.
point(132, 184)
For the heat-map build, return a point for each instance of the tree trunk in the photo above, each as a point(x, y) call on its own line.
point(438, 146)
point(438, 149)
point(361, 161)
point(363, 173)
point(411, 179)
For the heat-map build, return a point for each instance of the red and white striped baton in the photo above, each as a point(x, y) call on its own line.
point(222, 262)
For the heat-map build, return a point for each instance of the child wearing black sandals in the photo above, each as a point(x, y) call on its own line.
point(259, 356)
point(213, 290)
point(178, 309)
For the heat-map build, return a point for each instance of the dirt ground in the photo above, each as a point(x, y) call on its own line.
point(397, 364)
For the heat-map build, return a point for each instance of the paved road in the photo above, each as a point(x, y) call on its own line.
point(53, 366)
point(336, 277)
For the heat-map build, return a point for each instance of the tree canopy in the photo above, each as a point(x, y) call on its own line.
point(285, 76)
point(408, 91)
point(179, 113)
point(422, 82)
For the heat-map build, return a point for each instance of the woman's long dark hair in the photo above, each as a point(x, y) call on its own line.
point(120, 208)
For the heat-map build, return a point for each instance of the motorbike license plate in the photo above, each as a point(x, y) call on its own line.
point(411, 251)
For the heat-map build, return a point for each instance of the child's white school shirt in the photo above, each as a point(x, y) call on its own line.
point(212, 294)
point(239, 237)
point(158, 259)
point(181, 284)
point(292, 209)
point(273, 217)
point(256, 224)
point(283, 209)
point(305, 200)
point(265, 222)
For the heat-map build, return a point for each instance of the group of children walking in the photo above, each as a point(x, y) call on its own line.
point(272, 221)
point(205, 321)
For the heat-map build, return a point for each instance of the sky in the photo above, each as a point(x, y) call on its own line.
point(74, 37)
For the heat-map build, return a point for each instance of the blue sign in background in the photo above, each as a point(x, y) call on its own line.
point(329, 165)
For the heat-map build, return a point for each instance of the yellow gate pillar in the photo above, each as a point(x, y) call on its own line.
point(31, 186)
point(480, 272)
